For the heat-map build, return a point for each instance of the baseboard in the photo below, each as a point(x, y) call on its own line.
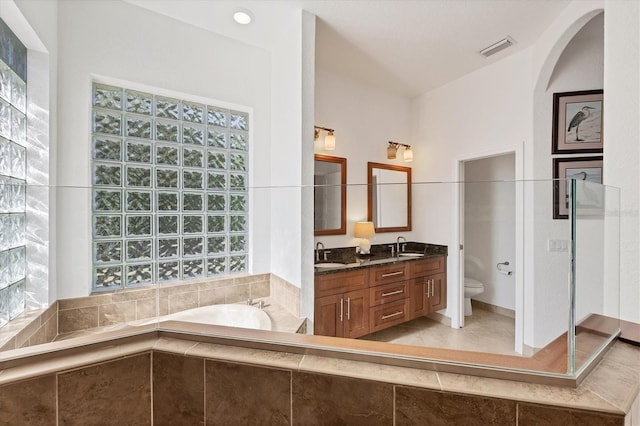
point(493, 308)
point(441, 318)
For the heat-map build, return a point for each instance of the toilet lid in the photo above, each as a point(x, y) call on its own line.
point(470, 282)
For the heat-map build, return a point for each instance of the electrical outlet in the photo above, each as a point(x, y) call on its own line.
point(557, 246)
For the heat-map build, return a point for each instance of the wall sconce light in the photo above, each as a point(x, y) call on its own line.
point(364, 230)
point(329, 139)
point(392, 151)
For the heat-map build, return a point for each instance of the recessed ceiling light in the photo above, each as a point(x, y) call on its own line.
point(242, 16)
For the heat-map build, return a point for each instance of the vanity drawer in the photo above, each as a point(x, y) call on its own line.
point(389, 273)
point(340, 282)
point(434, 265)
point(388, 293)
point(389, 314)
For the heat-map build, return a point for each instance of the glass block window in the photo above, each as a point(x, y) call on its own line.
point(13, 166)
point(170, 189)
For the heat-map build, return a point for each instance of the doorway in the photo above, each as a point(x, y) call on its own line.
point(488, 241)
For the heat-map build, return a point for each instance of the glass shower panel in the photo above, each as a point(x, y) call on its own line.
point(597, 251)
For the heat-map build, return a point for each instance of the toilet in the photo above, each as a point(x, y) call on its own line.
point(471, 288)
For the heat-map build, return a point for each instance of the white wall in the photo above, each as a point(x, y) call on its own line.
point(484, 113)
point(621, 135)
point(120, 41)
point(489, 228)
point(293, 64)
point(365, 118)
point(510, 102)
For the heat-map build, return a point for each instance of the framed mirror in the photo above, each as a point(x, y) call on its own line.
point(389, 197)
point(330, 195)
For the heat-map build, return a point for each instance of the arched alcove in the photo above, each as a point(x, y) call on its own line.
point(574, 62)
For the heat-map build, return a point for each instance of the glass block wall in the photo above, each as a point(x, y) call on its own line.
point(13, 154)
point(170, 189)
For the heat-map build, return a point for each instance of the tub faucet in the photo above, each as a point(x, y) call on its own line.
point(318, 245)
point(398, 244)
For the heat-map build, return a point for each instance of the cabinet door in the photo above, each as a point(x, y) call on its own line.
point(418, 297)
point(329, 316)
point(438, 293)
point(430, 266)
point(356, 313)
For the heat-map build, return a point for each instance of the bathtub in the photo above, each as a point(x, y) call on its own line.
point(231, 315)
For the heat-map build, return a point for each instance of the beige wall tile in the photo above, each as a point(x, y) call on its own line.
point(182, 301)
point(77, 319)
point(51, 328)
point(167, 290)
point(39, 337)
point(178, 390)
point(237, 293)
point(49, 313)
point(248, 279)
point(163, 305)
point(32, 402)
point(24, 334)
point(213, 296)
point(134, 294)
point(285, 294)
point(83, 302)
point(215, 283)
point(117, 392)
point(260, 289)
point(117, 313)
point(9, 345)
point(243, 394)
point(146, 308)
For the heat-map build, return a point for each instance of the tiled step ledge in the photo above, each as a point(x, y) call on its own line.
point(611, 387)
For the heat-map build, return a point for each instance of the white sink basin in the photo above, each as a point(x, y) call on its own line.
point(411, 254)
point(330, 265)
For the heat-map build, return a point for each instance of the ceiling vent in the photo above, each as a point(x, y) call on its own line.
point(496, 47)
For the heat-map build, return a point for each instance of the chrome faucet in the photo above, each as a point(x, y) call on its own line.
point(398, 244)
point(318, 245)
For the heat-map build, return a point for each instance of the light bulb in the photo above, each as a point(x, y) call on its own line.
point(330, 142)
point(408, 154)
point(391, 152)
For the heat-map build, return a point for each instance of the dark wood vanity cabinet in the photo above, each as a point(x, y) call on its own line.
point(356, 303)
point(428, 286)
point(342, 310)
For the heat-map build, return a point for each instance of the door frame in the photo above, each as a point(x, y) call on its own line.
point(458, 317)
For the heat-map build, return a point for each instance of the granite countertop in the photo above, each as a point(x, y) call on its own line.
point(345, 259)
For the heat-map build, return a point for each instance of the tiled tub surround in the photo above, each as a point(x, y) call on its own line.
point(161, 377)
point(30, 328)
point(71, 317)
point(119, 307)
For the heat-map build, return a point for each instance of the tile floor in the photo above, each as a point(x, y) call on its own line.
point(484, 331)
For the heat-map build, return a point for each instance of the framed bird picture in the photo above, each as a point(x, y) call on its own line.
point(577, 122)
point(589, 198)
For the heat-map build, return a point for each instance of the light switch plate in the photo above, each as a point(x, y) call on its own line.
point(557, 246)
